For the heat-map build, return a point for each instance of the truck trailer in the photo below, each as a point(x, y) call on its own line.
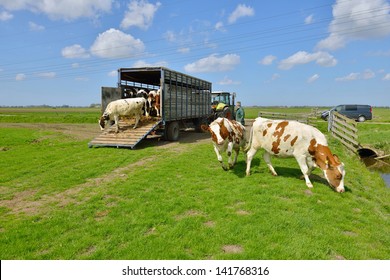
point(185, 101)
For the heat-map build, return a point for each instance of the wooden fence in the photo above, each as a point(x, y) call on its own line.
point(303, 118)
point(345, 130)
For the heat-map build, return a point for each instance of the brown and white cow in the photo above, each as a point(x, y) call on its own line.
point(154, 101)
point(293, 139)
point(227, 135)
point(131, 107)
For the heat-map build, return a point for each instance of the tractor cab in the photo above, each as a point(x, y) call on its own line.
point(222, 104)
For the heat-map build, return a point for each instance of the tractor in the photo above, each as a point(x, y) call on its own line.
point(222, 105)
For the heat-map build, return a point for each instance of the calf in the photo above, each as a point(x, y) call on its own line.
point(293, 139)
point(227, 135)
point(123, 107)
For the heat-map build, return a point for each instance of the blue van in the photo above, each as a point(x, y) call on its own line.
point(358, 113)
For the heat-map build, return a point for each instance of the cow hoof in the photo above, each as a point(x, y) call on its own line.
point(309, 185)
point(225, 168)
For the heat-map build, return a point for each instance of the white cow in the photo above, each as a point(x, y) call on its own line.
point(123, 107)
point(227, 135)
point(293, 139)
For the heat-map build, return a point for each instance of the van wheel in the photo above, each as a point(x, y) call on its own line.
point(172, 131)
point(361, 119)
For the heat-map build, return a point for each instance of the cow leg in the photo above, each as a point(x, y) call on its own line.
point(236, 155)
point(219, 156)
point(137, 117)
point(229, 153)
point(305, 170)
point(116, 119)
point(267, 159)
point(249, 156)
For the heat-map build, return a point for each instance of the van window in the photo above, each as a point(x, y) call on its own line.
point(350, 107)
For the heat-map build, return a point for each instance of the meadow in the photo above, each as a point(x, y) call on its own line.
point(60, 199)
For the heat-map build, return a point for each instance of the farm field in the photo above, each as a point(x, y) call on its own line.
point(60, 199)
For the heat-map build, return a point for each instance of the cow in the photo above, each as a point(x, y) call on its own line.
point(154, 101)
point(307, 144)
point(123, 107)
point(227, 135)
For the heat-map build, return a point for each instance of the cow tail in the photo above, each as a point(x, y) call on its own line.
point(249, 143)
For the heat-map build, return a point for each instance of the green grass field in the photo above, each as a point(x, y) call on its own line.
point(61, 200)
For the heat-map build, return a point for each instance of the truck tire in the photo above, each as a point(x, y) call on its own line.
point(172, 131)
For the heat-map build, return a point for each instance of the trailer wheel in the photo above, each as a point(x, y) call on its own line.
point(172, 131)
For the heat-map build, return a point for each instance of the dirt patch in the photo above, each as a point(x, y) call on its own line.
point(189, 213)
point(241, 212)
point(209, 224)
point(232, 249)
point(77, 131)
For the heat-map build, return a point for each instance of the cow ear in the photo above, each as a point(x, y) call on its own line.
point(336, 159)
point(205, 128)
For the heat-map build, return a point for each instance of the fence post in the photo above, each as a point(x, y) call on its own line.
point(330, 120)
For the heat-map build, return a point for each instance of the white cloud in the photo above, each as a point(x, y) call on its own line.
point(302, 57)
point(81, 79)
point(267, 60)
point(213, 63)
point(170, 36)
point(313, 78)
point(140, 13)
point(309, 19)
point(113, 73)
point(184, 50)
point(275, 77)
point(20, 77)
point(74, 51)
point(60, 9)
point(116, 44)
point(4, 16)
point(219, 26)
point(366, 75)
point(46, 75)
point(241, 11)
point(357, 19)
point(386, 77)
point(35, 27)
point(228, 81)
point(142, 63)
point(349, 77)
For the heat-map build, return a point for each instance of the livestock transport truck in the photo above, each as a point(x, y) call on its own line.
point(185, 102)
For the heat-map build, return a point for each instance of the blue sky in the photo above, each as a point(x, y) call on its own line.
point(287, 53)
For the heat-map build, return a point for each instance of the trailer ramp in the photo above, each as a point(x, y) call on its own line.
point(127, 137)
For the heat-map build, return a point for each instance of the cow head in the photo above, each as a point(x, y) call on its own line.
point(330, 164)
point(102, 121)
point(218, 131)
point(334, 173)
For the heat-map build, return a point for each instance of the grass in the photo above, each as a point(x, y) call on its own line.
point(49, 115)
point(61, 200)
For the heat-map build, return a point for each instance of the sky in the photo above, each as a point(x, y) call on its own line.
point(271, 53)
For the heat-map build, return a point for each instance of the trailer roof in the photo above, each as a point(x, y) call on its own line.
point(147, 75)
